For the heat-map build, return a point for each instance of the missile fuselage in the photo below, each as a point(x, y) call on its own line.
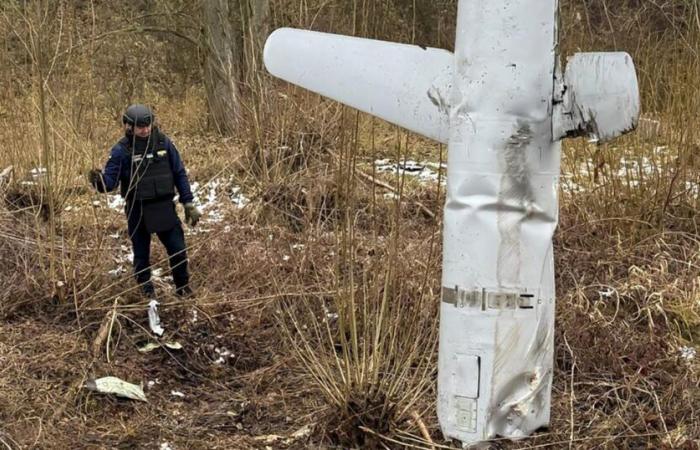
point(502, 105)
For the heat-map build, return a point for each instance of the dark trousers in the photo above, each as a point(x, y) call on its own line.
point(174, 242)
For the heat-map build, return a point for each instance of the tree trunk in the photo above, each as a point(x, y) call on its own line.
point(223, 39)
point(259, 24)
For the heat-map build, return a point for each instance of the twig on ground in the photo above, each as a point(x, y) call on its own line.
point(422, 427)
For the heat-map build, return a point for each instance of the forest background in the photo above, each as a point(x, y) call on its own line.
point(317, 264)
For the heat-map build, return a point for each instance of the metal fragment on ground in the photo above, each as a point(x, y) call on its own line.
point(149, 347)
point(118, 387)
point(154, 318)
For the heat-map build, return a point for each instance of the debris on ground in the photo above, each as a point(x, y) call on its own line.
point(154, 318)
point(301, 433)
point(118, 387)
point(154, 345)
point(177, 394)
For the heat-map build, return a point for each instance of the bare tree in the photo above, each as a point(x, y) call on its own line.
point(234, 33)
point(222, 66)
point(259, 23)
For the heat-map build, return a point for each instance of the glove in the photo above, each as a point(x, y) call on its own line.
point(192, 214)
point(95, 178)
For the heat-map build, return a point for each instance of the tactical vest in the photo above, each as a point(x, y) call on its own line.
point(151, 173)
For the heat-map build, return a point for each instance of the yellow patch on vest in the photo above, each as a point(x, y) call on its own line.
point(162, 152)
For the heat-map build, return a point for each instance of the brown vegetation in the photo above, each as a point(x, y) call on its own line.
point(315, 317)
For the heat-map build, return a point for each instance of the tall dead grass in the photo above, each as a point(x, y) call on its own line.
point(351, 277)
point(370, 348)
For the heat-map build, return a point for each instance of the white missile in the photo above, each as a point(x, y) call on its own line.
point(502, 105)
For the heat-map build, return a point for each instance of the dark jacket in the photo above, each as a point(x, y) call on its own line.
point(117, 171)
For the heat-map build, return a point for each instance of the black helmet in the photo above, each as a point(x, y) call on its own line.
point(140, 115)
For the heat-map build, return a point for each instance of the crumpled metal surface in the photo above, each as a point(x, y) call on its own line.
point(117, 386)
point(154, 318)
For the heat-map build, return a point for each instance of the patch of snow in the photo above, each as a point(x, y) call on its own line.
point(214, 216)
point(196, 231)
point(608, 293)
point(635, 167)
point(127, 255)
point(118, 271)
point(329, 315)
point(569, 186)
point(238, 198)
point(116, 202)
point(224, 354)
point(423, 171)
point(207, 198)
point(687, 353)
point(301, 432)
point(38, 172)
point(584, 167)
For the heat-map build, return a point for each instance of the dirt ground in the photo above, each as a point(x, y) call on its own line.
point(625, 372)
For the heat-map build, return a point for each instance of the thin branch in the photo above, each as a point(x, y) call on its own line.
point(132, 29)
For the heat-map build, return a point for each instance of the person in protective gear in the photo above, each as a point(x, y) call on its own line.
point(148, 169)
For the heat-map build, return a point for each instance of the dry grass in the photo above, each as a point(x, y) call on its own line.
point(322, 292)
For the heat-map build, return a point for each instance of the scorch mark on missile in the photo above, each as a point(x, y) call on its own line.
point(515, 200)
point(438, 100)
